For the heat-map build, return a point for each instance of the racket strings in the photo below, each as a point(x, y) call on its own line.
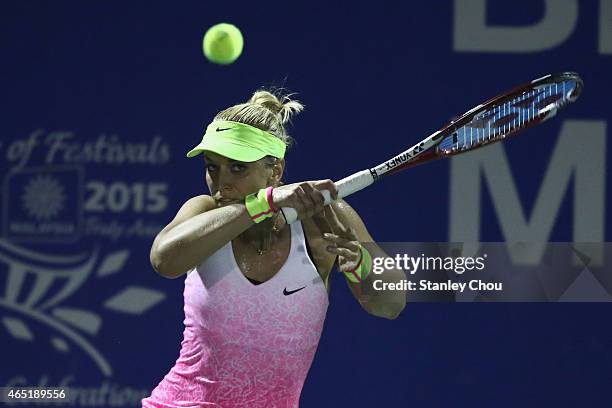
point(504, 119)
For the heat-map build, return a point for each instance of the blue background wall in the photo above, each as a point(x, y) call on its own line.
point(375, 78)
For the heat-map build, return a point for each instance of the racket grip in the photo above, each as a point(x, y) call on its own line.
point(346, 187)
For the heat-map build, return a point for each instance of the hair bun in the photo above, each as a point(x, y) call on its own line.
point(277, 103)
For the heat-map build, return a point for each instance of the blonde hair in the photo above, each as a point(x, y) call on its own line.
point(268, 110)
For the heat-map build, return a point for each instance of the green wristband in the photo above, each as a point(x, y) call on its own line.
point(363, 268)
point(258, 206)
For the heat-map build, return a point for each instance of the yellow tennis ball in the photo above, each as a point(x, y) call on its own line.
point(223, 43)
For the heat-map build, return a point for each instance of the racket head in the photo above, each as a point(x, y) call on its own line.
point(497, 119)
point(510, 113)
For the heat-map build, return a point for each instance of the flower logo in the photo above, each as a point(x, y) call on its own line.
point(43, 197)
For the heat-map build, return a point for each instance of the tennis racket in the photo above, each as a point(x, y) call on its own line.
point(492, 121)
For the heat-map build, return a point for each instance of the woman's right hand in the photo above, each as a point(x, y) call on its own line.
point(305, 197)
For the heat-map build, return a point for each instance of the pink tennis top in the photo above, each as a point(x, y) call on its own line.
point(246, 345)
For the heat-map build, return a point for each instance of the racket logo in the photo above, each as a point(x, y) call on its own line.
point(399, 159)
point(404, 157)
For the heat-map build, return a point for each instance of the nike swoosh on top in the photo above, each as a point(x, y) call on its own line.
point(289, 292)
point(221, 130)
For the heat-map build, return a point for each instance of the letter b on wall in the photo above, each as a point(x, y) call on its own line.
point(471, 32)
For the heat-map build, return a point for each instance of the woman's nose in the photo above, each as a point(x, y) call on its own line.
point(225, 180)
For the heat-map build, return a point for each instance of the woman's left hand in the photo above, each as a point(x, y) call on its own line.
point(342, 240)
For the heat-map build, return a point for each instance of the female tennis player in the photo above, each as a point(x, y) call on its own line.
point(256, 291)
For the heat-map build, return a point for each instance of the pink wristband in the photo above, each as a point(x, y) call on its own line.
point(269, 197)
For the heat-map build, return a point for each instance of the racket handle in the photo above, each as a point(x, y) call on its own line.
point(346, 187)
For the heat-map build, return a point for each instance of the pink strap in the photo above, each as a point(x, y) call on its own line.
point(269, 197)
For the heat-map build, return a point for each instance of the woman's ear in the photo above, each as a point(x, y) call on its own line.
point(277, 172)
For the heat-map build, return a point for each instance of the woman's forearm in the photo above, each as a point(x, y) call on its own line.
point(386, 303)
point(188, 244)
point(379, 300)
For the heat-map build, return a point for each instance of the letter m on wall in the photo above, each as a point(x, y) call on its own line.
point(580, 152)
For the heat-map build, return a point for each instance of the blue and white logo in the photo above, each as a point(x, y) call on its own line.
point(43, 205)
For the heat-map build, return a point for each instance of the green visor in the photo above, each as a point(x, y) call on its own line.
point(239, 141)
